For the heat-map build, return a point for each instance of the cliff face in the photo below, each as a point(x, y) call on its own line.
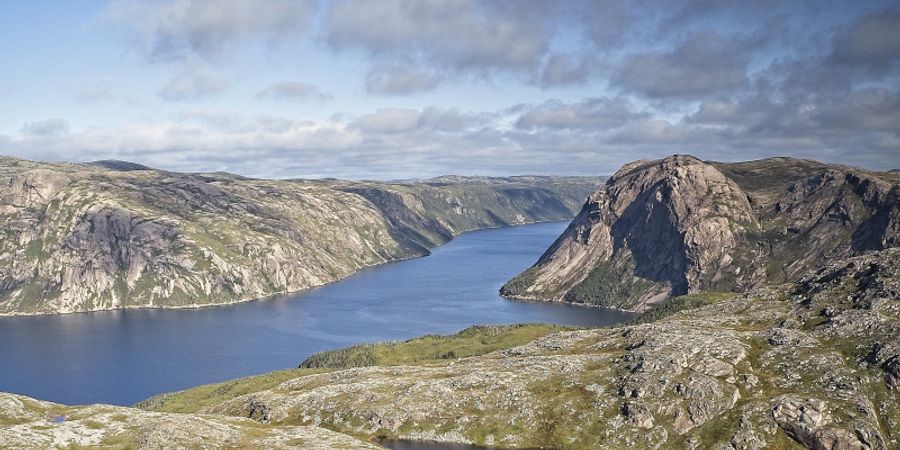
point(680, 225)
point(814, 364)
point(87, 237)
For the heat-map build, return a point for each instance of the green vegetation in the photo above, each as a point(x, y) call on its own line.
point(195, 399)
point(605, 287)
point(520, 283)
point(683, 303)
point(472, 341)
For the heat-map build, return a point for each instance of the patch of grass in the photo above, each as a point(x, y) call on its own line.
point(195, 399)
point(34, 250)
point(683, 303)
point(93, 424)
point(473, 341)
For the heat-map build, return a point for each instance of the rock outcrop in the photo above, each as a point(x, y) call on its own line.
point(113, 235)
point(677, 226)
point(810, 364)
point(30, 423)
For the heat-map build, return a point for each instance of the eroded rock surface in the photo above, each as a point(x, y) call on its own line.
point(810, 364)
point(29, 423)
point(678, 226)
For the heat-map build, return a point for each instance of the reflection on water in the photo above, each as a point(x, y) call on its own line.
point(122, 357)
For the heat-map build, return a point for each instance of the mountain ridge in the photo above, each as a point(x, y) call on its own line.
point(85, 238)
point(680, 225)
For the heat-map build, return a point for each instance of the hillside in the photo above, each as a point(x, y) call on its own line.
point(30, 423)
point(113, 235)
point(677, 226)
point(812, 364)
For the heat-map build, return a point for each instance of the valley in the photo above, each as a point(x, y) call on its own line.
point(114, 235)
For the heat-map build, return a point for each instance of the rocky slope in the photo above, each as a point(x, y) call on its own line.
point(113, 235)
point(814, 364)
point(29, 423)
point(676, 226)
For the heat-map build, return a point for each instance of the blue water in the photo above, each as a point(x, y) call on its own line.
point(122, 357)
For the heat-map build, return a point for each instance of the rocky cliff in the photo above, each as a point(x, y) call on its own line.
point(680, 225)
point(812, 364)
point(113, 235)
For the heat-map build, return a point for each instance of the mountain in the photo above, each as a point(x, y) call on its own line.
point(112, 235)
point(680, 225)
point(814, 363)
point(124, 166)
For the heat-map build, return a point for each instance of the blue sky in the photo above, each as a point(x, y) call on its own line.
point(401, 88)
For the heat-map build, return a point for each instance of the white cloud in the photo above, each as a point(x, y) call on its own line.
point(594, 113)
point(293, 90)
point(724, 80)
point(390, 120)
point(594, 136)
point(458, 34)
point(394, 79)
point(566, 69)
point(46, 128)
point(193, 84)
point(177, 29)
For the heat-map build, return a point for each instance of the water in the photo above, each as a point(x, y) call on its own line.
point(122, 357)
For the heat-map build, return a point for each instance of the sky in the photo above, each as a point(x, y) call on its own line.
point(383, 89)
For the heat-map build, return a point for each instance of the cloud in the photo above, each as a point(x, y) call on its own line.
point(293, 90)
point(593, 136)
point(594, 113)
point(704, 64)
point(654, 131)
point(566, 69)
point(46, 128)
point(716, 112)
point(103, 91)
point(456, 34)
point(390, 120)
point(876, 109)
point(100, 92)
point(211, 118)
point(455, 121)
point(193, 84)
point(177, 29)
point(393, 79)
point(871, 40)
point(635, 78)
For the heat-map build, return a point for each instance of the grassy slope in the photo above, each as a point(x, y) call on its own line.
point(683, 303)
point(473, 341)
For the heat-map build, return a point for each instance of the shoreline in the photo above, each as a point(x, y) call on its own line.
point(274, 295)
point(562, 302)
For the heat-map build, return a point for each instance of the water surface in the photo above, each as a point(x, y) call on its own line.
point(122, 357)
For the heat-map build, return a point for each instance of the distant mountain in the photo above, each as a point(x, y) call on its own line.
point(111, 235)
point(123, 166)
point(680, 225)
